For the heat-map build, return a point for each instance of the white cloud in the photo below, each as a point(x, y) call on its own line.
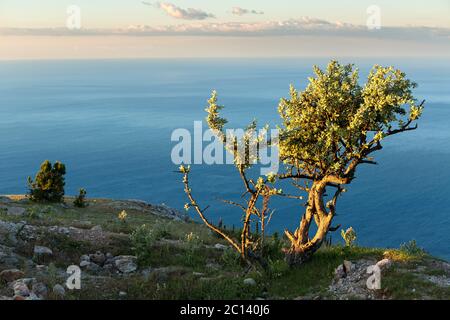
point(179, 13)
point(238, 11)
point(303, 26)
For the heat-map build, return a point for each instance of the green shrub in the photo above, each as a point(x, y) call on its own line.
point(349, 236)
point(230, 258)
point(193, 245)
point(412, 249)
point(48, 185)
point(80, 200)
point(143, 239)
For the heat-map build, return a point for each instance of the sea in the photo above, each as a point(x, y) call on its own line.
point(111, 123)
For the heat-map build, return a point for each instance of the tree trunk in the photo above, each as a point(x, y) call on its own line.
point(302, 247)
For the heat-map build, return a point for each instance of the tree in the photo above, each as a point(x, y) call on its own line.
point(48, 185)
point(327, 131)
point(80, 200)
point(331, 128)
point(257, 191)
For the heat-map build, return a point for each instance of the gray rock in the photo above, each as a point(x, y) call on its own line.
point(98, 258)
point(59, 290)
point(85, 257)
point(125, 264)
point(220, 246)
point(40, 289)
point(42, 251)
point(97, 228)
point(340, 273)
point(21, 289)
point(93, 267)
point(84, 264)
point(15, 211)
point(250, 282)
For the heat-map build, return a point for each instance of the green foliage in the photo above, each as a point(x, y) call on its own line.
point(48, 185)
point(335, 120)
point(230, 258)
point(80, 200)
point(349, 236)
point(193, 249)
point(144, 238)
point(412, 249)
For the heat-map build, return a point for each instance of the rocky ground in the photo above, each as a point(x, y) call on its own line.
point(39, 243)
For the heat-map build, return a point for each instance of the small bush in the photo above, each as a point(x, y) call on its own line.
point(193, 245)
point(412, 249)
point(80, 200)
point(230, 258)
point(349, 236)
point(143, 239)
point(48, 185)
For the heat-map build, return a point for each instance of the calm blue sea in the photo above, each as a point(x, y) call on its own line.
point(111, 122)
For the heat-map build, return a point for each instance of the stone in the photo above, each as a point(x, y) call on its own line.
point(97, 228)
point(340, 272)
point(98, 258)
point(126, 264)
point(21, 289)
point(250, 282)
point(384, 264)
point(11, 275)
point(15, 211)
point(42, 251)
point(348, 266)
point(220, 246)
point(59, 290)
point(84, 264)
point(40, 290)
point(122, 294)
point(85, 257)
point(93, 267)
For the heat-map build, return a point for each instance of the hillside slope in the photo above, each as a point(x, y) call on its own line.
point(172, 257)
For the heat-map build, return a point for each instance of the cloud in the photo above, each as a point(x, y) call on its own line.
point(305, 26)
point(238, 11)
point(180, 13)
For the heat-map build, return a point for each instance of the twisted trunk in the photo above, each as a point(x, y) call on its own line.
point(302, 246)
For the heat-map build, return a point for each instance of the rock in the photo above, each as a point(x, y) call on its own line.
point(11, 275)
point(33, 296)
point(98, 258)
point(340, 273)
point(59, 291)
point(21, 289)
point(93, 267)
point(84, 264)
point(85, 257)
point(41, 268)
point(15, 211)
point(213, 266)
point(384, 264)
point(40, 290)
point(198, 274)
point(249, 282)
point(348, 266)
point(220, 246)
point(97, 228)
point(122, 294)
point(41, 251)
point(126, 264)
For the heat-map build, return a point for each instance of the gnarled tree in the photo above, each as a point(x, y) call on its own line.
point(332, 127)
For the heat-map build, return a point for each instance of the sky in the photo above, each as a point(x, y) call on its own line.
point(59, 29)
